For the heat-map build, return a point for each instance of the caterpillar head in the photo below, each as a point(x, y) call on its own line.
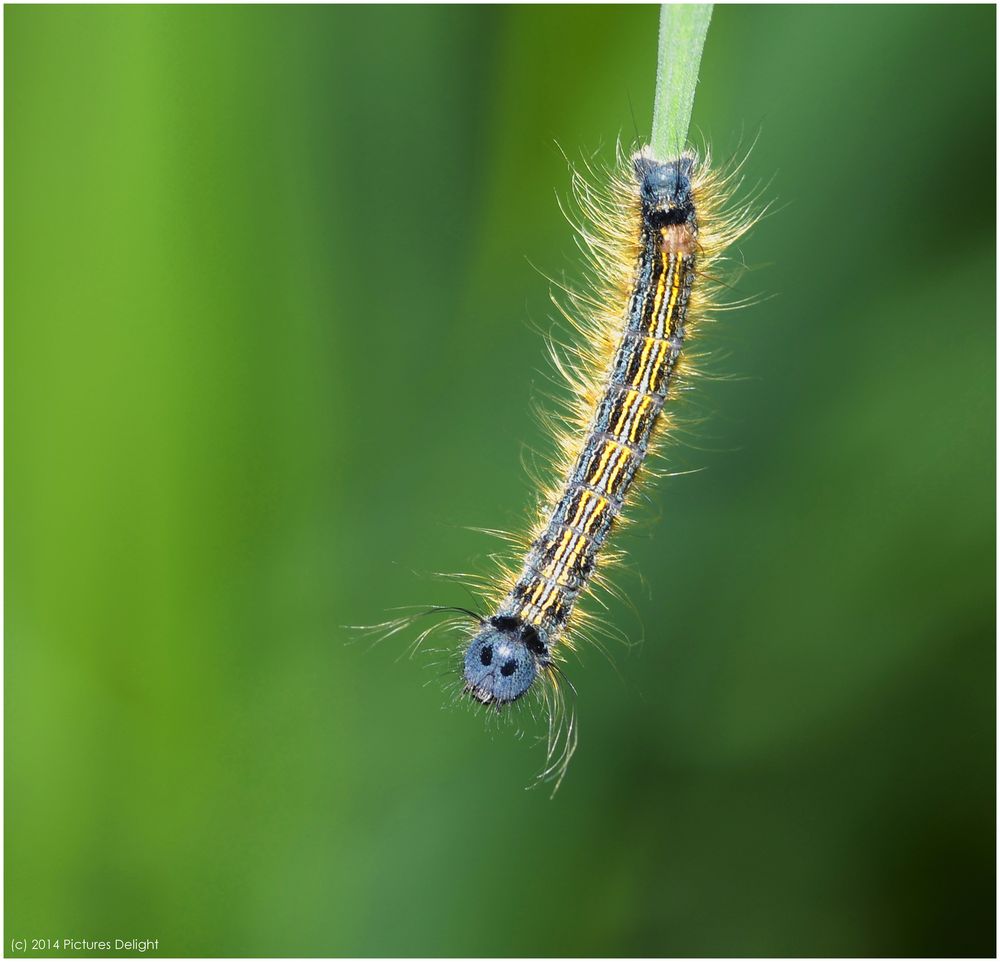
point(665, 189)
point(503, 660)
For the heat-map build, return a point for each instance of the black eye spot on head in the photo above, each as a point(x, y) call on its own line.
point(499, 667)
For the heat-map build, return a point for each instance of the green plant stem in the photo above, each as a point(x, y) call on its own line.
point(682, 38)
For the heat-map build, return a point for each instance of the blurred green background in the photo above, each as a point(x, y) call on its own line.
point(270, 349)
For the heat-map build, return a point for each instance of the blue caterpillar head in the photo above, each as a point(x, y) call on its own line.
point(665, 189)
point(503, 659)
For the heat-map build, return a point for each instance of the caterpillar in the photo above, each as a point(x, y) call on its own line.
point(654, 240)
point(654, 235)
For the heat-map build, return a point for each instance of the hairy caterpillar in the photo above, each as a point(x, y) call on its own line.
point(654, 238)
point(654, 241)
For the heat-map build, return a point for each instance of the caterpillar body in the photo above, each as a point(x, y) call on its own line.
point(652, 239)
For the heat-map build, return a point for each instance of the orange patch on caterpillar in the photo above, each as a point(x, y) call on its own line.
point(679, 239)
